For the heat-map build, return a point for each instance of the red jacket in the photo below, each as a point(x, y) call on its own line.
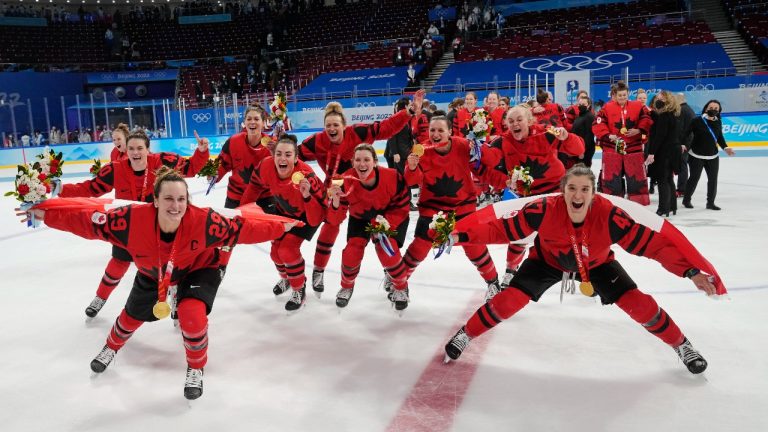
point(134, 228)
point(389, 197)
point(127, 184)
point(605, 225)
point(608, 121)
point(116, 154)
point(553, 115)
point(538, 152)
point(288, 198)
point(460, 126)
point(318, 147)
point(240, 158)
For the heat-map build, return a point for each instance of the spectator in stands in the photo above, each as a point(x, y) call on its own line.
point(398, 59)
point(427, 45)
point(109, 42)
point(432, 30)
point(54, 137)
point(37, 139)
point(84, 136)
point(25, 140)
point(457, 46)
point(461, 26)
point(411, 72)
point(687, 115)
point(707, 133)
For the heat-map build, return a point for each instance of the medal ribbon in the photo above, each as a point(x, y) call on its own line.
point(164, 279)
point(583, 271)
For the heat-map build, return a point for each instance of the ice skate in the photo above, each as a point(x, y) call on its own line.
point(343, 296)
point(317, 282)
point(493, 289)
point(298, 297)
point(507, 279)
point(280, 287)
point(388, 282)
point(399, 299)
point(103, 359)
point(690, 357)
point(96, 304)
point(193, 384)
point(456, 345)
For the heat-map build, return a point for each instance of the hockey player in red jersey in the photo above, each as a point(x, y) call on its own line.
point(619, 128)
point(299, 194)
point(535, 147)
point(175, 245)
point(370, 193)
point(443, 172)
point(242, 152)
point(333, 150)
point(131, 178)
point(575, 232)
point(119, 138)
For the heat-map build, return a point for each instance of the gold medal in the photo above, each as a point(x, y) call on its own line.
point(265, 141)
point(623, 131)
point(418, 150)
point(337, 182)
point(552, 130)
point(297, 177)
point(161, 310)
point(587, 289)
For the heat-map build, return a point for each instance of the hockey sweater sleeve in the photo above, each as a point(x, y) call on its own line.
point(96, 187)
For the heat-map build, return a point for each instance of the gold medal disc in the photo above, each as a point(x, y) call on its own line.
point(265, 141)
point(623, 131)
point(297, 177)
point(587, 289)
point(418, 150)
point(337, 182)
point(161, 310)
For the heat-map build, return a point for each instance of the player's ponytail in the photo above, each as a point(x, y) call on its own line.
point(334, 108)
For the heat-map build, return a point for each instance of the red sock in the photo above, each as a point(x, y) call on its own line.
point(415, 254)
point(115, 271)
point(122, 330)
point(643, 309)
point(351, 257)
point(482, 260)
point(194, 329)
point(515, 254)
point(502, 306)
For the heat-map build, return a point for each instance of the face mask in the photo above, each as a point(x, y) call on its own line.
point(658, 104)
point(582, 109)
point(712, 112)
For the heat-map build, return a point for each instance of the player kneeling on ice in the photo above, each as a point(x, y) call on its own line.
point(576, 229)
point(378, 201)
point(174, 244)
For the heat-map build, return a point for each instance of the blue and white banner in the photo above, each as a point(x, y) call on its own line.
point(568, 85)
point(446, 13)
point(132, 77)
point(349, 83)
point(205, 19)
point(509, 7)
point(745, 129)
point(657, 60)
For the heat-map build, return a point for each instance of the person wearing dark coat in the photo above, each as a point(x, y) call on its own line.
point(664, 150)
point(582, 126)
point(399, 146)
point(687, 114)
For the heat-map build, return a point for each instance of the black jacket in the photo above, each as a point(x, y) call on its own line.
point(687, 115)
point(704, 143)
point(663, 143)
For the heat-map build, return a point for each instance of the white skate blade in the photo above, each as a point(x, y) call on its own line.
point(318, 294)
point(447, 359)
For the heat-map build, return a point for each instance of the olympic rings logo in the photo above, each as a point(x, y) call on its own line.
point(365, 104)
point(201, 117)
point(699, 87)
point(576, 62)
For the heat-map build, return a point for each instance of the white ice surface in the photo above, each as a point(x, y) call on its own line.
point(576, 366)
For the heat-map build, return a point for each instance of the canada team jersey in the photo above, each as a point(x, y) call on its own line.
point(388, 196)
point(129, 184)
point(240, 158)
point(287, 196)
point(445, 180)
point(134, 228)
point(605, 225)
point(612, 118)
point(553, 115)
point(538, 152)
point(116, 155)
point(337, 158)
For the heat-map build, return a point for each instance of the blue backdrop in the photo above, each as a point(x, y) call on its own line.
point(350, 82)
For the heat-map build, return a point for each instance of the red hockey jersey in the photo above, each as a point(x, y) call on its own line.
point(389, 197)
point(240, 158)
point(127, 183)
point(612, 118)
point(287, 196)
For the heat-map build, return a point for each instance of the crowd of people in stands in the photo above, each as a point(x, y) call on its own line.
point(56, 135)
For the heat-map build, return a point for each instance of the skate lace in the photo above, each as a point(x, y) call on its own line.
point(97, 303)
point(399, 296)
point(106, 355)
point(295, 297)
point(461, 340)
point(194, 378)
point(317, 278)
point(345, 293)
point(687, 353)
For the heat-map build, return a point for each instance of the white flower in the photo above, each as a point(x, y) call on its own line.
point(381, 220)
point(435, 217)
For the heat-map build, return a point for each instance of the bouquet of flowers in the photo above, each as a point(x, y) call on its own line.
point(480, 127)
point(210, 170)
point(621, 146)
point(49, 163)
point(381, 231)
point(443, 225)
point(31, 187)
point(279, 110)
point(95, 168)
point(521, 180)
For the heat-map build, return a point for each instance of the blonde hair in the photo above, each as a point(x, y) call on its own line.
point(525, 108)
point(671, 104)
point(123, 128)
point(335, 108)
point(168, 174)
point(258, 108)
point(368, 148)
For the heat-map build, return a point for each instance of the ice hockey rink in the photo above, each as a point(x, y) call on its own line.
point(572, 366)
